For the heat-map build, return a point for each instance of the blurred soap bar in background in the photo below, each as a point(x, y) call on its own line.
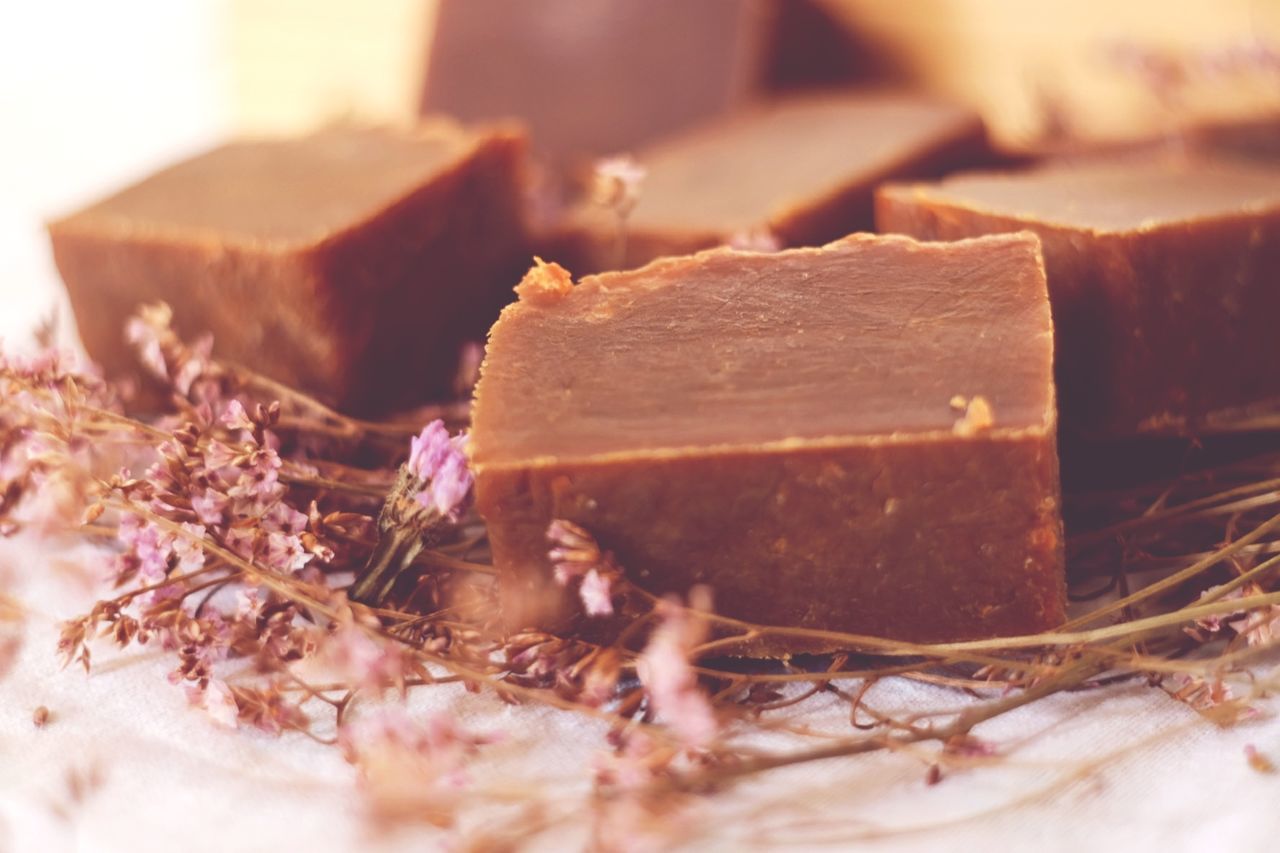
point(589, 77)
point(797, 170)
point(592, 77)
point(595, 77)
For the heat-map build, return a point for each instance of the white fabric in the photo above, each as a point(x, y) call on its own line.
point(92, 94)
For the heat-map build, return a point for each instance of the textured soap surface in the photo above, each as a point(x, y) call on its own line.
point(857, 437)
point(1162, 275)
point(801, 169)
point(352, 262)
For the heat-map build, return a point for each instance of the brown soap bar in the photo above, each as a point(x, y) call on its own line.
point(351, 263)
point(801, 170)
point(1253, 140)
point(592, 77)
point(857, 437)
point(1162, 274)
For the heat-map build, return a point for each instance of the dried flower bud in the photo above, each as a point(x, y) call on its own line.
point(596, 593)
point(664, 669)
point(755, 240)
point(574, 551)
point(1257, 760)
point(428, 449)
point(616, 183)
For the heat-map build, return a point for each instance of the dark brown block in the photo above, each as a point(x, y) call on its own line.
point(802, 169)
point(351, 263)
point(857, 437)
point(594, 77)
point(1163, 275)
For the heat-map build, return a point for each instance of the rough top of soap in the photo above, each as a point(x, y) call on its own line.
point(1118, 194)
point(296, 189)
point(737, 173)
point(868, 338)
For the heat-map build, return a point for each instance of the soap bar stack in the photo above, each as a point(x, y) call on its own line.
point(835, 431)
point(858, 437)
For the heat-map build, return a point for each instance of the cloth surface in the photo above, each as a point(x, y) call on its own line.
point(133, 84)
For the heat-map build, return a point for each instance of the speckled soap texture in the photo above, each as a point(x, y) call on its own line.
point(858, 437)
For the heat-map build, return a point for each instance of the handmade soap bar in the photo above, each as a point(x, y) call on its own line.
point(1254, 140)
point(351, 263)
point(797, 171)
point(857, 437)
point(1162, 275)
point(591, 77)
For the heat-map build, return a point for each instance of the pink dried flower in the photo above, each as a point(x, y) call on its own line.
point(285, 518)
point(235, 417)
point(596, 592)
point(216, 700)
point(249, 602)
point(369, 661)
point(410, 769)
point(285, 553)
point(449, 487)
point(634, 765)
point(196, 365)
point(440, 465)
point(218, 455)
point(969, 746)
point(142, 331)
point(1259, 626)
point(259, 483)
point(616, 183)
point(189, 549)
point(1251, 56)
point(575, 555)
point(428, 450)
point(668, 677)
point(209, 506)
point(573, 550)
point(150, 547)
point(241, 541)
point(1212, 697)
point(1257, 760)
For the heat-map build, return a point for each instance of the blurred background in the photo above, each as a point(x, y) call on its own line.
point(95, 95)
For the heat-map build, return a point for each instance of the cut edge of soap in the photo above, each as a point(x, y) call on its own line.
point(1048, 430)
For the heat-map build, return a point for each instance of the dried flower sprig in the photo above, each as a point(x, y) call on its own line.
point(431, 490)
point(616, 183)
